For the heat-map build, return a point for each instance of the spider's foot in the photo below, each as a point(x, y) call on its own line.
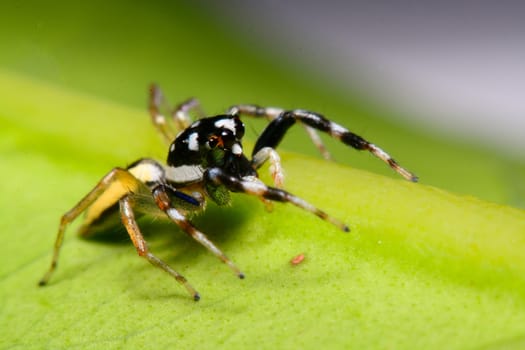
point(42, 283)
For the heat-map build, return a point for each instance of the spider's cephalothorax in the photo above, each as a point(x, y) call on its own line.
point(205, 160)
point(212, 142)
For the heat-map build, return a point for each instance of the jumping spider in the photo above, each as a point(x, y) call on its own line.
point(205, 160)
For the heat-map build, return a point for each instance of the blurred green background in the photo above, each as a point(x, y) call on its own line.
point(114, 50)
point(100, 57)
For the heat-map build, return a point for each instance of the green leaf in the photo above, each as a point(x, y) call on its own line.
point(421, 268)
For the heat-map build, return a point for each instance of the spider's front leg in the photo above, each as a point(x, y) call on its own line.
point(282, 120)
point(253, 186)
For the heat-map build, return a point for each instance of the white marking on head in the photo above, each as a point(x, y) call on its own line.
point(193, 142)
point(227, 124)
point(236, 149)
point(195, 124)
point(172, 147)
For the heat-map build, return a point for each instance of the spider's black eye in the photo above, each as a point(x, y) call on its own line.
point(213, 142)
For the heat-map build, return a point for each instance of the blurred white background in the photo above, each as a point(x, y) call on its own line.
point(455, 66)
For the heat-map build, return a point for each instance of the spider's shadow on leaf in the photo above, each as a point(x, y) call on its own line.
point(170, 243)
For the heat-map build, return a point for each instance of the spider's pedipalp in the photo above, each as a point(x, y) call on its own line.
point(276, 169)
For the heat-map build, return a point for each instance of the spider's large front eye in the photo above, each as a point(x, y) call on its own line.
point(213, 142)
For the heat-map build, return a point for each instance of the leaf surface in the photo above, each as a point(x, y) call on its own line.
point(421, 268)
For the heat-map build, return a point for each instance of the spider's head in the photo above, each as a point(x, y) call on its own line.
point(225, 133)
point(208, 141)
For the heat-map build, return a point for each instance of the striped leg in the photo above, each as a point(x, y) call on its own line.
point(156, 101)
point(128, 219)
point(163, 201)
point(275, 131)
point(272, 113)
point(255, 187)
point(180, 115)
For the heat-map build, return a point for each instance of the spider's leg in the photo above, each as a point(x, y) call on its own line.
point(316, 139)
point(276, 170)
point(162, 198)
point(272, 113)
point(255, 187)
point(156, 101)
point(181, 113)
point(128, 219)
point(123, 181)
point(275, 131)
